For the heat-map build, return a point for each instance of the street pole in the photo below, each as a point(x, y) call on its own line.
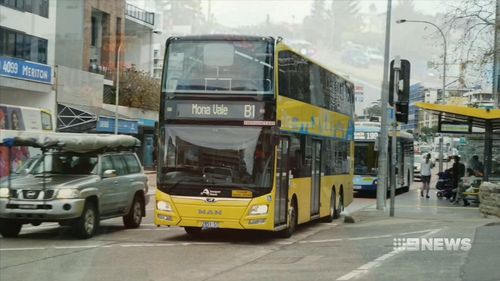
point(383, 136)
point(117, 87)
point(394, 161)
point(443, 94)
point(496, 58)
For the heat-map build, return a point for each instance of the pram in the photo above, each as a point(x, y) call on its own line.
point(445, 185)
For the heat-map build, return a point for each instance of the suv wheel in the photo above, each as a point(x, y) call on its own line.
point(10, 228)
point(134, 217)
point(87, 224)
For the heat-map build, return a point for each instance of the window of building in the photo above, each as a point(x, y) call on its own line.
point(93, 40)
point(23, 46)
point(37, 7)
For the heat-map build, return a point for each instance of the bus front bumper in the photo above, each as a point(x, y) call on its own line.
point(196, 212)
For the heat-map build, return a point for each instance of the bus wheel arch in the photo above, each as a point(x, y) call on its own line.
point(333, 205)
point(293, 217)
point(340, 205)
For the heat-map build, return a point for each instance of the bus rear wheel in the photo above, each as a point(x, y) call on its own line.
point(340, 207)
point(331, 214)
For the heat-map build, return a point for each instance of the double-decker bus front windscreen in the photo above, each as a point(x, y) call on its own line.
point(219, 66)
point(224, 157)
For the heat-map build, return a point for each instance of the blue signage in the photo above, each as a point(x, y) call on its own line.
point(147, 122)
point(107, 125)
point(26, 70)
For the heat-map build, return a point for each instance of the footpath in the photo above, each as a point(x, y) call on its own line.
point(449, 221)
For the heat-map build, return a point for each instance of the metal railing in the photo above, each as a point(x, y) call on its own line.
point(139, 14)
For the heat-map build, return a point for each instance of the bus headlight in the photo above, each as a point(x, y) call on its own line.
point(4, 192)
point(259, 210)
point(68, 193)
point(375, 182)
point(163, 206)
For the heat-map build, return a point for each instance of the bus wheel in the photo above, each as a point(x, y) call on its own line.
point(331, 214)
point(193, 231)
point(338, 210)
point(292, 224)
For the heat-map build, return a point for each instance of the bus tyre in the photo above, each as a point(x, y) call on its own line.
point(331, 214)
point(340, 207)
point(134, 217)
point(10, 228)
point(292, 224)
point(87, 224)
point(193, 231)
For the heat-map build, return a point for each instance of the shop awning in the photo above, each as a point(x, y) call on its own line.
point(476, 117)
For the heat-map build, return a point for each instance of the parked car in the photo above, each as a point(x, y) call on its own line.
point(75, 189)
point(417, 161)
point(356, 57)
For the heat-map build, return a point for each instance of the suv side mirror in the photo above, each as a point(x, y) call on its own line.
point(109, 174)
point(24, 172)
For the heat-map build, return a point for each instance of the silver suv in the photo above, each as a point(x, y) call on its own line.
point(75, 189)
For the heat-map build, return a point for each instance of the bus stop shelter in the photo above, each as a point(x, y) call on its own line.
point(466, 120)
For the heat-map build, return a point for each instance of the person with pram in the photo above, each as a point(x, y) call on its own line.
point(449, 179)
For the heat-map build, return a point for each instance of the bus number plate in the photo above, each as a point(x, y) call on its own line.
point(357, 187)
point(210, 225)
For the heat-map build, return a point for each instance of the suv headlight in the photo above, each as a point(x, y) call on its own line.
point(259, 210)
point(68, 193)
point(163, 206)
point(4, 192)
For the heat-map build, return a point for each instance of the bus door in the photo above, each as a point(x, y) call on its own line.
point(282, 176)
point(315, 177)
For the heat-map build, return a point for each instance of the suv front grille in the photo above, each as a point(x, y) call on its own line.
point(32, 194)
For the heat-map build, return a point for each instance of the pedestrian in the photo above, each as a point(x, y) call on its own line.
point(458, 171)
point(425, 171)
point(476, 166)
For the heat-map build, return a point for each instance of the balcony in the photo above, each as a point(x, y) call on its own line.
point(139, 14)
point(101, 69)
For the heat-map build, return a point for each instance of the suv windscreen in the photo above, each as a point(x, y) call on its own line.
point(67, 163)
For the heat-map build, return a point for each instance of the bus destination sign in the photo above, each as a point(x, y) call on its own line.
point(216, 110)
point(365, 135)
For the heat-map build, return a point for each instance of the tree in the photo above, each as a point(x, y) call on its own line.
point(474, 23)
point(138, 89)
point(428, 131)
point(344, 16)
point(314, 23)
point(374, 110)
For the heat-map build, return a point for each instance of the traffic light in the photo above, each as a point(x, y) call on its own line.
point(403, 95)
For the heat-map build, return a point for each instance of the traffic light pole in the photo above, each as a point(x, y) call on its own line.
point(383, 136)
point(394, 162)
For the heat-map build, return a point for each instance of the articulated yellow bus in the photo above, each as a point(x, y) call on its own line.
point(252, 136)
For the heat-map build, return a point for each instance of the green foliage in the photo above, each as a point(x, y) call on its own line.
point(138, 89)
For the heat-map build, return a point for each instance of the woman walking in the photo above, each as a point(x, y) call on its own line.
point(425, 171)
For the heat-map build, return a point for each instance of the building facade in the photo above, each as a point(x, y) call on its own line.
point(27, 53)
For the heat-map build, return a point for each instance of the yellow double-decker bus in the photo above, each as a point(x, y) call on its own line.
point(252, 136)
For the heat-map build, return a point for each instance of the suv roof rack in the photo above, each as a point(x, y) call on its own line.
point(72, 142)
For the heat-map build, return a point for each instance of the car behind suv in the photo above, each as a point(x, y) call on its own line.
point(75, 189)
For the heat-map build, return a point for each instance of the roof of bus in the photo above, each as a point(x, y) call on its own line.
point(25, 107)
point(227, 37)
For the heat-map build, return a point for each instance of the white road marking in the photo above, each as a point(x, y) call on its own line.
point(361, 238)
point(128, 245)
point(22, 249)
point(378, 261)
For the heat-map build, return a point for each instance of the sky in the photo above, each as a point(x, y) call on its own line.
point(229, 12)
